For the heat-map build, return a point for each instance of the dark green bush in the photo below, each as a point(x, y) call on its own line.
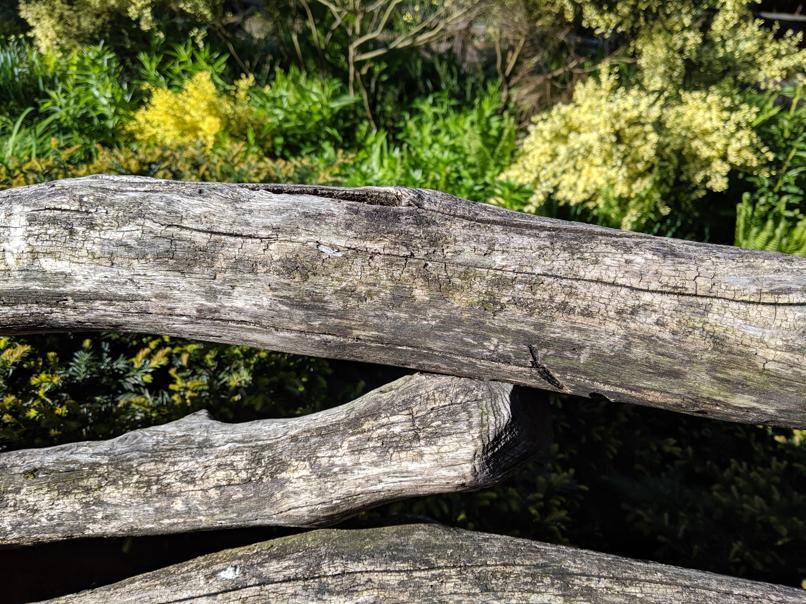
point(72, 387)
point(26, 76)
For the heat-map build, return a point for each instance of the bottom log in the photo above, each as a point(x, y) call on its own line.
point(415, 563)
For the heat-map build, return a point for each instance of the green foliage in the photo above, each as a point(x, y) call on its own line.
point(724, 496)
point(61, 389)
point(174, 67)
point(773, 215)
point(631, 156)
point(441, 145)
point(298, 114)
point(63, 25)
point(88, 99)
point(294, 114)
point(25, 75)
point(765, 221)
point(78, 101)
point(671, 130)
point(695, 43)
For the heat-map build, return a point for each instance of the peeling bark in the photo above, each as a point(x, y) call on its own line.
point(419, 435)
point(426, 563)
point(417, 279)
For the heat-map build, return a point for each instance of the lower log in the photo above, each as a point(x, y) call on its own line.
point(426, 563)
point(419, 435)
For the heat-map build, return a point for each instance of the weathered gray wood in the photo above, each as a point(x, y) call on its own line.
point(426, 563)
point(419, 435)
point(417, 279)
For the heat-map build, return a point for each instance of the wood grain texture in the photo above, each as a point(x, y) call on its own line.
point(419, 435)
point(417, 279)
point(426, 563)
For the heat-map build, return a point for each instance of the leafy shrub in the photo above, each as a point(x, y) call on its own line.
point(17, 171)
point(628, 155)
point(441, 145)
point(196, 114)
point(25, 76)
point(686, 43)
point(773, 215)
point(674, 128)
point(79, 100)
point(66, 388)
point(89, 100)
point(296, 114)
point(21, 141)
point(299, 114)
point(59, 25)
point(181, 62)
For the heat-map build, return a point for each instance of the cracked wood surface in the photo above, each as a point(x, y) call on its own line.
point(418, 435)
point(417, 279)
point(426, 563)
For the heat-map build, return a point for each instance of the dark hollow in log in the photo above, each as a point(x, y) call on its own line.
point(419, 435)
point(416, 279)
point(427, 563)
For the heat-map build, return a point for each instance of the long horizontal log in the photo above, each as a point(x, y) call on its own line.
point(417, 279)
point(419, 435)
point(426, 563)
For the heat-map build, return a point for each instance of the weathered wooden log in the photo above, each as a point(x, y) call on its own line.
point(426, 563)
point(419, 435)
point(417, 279)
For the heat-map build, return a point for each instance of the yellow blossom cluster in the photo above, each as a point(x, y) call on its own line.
point(620, 150)
point(62, 24)
point(757, 55)
point(713, 134)
point(708, 38)
point(196, 114)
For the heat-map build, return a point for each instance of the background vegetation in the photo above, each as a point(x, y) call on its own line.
point(683, 120)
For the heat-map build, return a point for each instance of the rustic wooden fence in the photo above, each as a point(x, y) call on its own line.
point(491, 299)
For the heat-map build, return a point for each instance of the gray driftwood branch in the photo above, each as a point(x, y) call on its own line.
point(419, 435)
point(417, 279)
point(427, 563)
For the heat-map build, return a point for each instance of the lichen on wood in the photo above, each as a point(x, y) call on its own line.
point(419, 435)
point(417, 279)
point(427, 563)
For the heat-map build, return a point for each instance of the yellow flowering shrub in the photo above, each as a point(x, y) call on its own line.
point(63, 24)
point(620, 150)
point(197, 113)
point(698, 39)
point(675, 128)
point(713, 134)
